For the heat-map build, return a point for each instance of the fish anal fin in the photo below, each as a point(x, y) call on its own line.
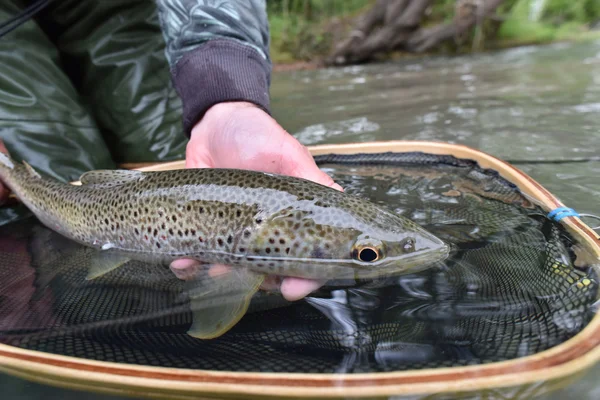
point(218, 303)
point(109, 176)
point(104, 262)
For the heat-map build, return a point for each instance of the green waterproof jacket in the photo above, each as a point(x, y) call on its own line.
point(88, 84)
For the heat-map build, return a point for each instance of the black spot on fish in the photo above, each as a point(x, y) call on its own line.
point(317, 253)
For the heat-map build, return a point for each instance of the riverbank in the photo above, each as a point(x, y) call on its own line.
point(293, 65)
point(303, 40)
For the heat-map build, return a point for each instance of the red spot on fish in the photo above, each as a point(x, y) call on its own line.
point(121, 238)
point(146, 237)
point(163, 237)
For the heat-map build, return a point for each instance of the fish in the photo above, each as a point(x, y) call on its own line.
point(257, 223)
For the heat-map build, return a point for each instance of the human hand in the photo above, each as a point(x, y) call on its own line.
point(241, 135)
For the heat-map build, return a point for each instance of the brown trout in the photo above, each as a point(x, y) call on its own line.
point(258, 223)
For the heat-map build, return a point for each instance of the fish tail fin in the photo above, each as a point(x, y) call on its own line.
point(6, 162)
point(12, 172)
point(7, 170)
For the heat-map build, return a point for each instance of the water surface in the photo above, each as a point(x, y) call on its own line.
point(536, 106)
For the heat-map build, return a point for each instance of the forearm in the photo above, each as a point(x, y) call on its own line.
point(218, 51)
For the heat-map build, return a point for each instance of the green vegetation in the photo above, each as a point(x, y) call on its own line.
point(306, 30)
point(551, 20)
point(303, 30)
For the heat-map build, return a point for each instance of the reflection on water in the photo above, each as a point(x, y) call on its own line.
point(532, 103)
point(509, 289)
point(540, 100)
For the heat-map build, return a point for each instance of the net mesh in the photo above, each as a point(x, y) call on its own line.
point(509, 289)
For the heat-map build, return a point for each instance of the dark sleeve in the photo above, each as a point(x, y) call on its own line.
point(218, 51)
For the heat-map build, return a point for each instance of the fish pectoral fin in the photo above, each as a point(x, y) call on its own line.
point(218, 303)
point(104, 262)
point(109, 176)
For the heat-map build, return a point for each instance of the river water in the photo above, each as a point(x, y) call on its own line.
point(538, 107)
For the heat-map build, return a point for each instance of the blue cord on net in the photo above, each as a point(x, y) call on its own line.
point(562, 212)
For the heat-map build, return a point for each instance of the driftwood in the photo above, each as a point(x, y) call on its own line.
point(396, 25)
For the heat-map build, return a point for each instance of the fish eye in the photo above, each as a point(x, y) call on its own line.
point(368, 254)
point(368, 250)
point(408, 245)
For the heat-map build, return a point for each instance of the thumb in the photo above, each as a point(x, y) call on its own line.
point(298, 162)
point(196, 155)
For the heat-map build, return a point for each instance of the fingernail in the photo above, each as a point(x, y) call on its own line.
point(184, 263)
point(338, 187)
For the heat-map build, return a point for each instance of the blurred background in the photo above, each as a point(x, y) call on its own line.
point(351, 31)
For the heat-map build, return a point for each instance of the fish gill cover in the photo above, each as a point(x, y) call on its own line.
point(509, 289)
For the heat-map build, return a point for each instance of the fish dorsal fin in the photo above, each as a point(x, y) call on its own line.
point(218, 303)
point(31, 171)
point(102, 176)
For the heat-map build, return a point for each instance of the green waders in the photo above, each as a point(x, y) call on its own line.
point(86, 85)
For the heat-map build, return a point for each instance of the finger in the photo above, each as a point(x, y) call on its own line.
point(299, 162)
point(271, 283)
point(184, 263)
point(297, 288)
point(218, 269)
point(185, 269)
point(196, 155)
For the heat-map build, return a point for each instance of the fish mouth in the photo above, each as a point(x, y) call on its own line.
point(353, 269)
point(409, 263)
